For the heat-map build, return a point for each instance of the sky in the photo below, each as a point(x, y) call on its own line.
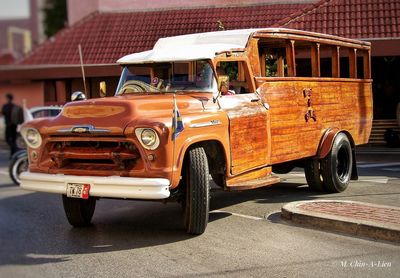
point(14, 9)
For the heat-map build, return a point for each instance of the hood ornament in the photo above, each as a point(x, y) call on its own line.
point(81, 129)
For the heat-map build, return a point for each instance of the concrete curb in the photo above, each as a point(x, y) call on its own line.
point(337, 223)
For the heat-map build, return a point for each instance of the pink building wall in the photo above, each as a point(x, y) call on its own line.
point(32, 92)
point(78, 9)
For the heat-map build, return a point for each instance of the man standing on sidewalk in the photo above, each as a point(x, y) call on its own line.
point(13, 116)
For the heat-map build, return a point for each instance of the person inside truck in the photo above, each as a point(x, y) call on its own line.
point(224, 88)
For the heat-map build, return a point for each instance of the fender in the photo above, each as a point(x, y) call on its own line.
point(326, 144)
point(187, 144)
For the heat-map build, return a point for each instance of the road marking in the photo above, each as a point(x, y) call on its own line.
point(102, 246)
point(238, 214)
point(3, 172)
point(392, 169)
point(374, 179)
point(376, 165)
point(298, 174)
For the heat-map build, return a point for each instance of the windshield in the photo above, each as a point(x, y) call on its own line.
point(167, 77)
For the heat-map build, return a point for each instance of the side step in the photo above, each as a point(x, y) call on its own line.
point(258, 178)
point(254, 183)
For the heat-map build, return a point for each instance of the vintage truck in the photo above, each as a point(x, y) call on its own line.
point(235, 105)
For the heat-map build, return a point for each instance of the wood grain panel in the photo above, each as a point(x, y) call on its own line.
point(248, 132)
point(344, 105)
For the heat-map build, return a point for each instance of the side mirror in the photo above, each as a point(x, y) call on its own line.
point(76, 96)
point(103, 89)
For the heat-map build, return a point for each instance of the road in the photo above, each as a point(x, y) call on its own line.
point(245, 235)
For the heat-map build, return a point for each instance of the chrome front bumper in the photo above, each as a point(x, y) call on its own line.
point(111, 186)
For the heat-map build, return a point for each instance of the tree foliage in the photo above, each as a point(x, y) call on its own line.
point(55, 16)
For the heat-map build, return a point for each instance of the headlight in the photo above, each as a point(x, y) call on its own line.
point(148, 138)
point(32, 137)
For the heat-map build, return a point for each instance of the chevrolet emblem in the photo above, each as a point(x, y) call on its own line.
point(80, 129)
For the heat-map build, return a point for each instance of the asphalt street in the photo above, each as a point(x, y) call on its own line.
point(245, 235)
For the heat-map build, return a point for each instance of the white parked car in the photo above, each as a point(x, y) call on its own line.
point(37, 112)
point(29, 114)
point(19, 160)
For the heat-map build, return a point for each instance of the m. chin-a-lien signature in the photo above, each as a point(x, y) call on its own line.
point(365, 264)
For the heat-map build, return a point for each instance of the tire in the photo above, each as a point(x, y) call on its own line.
point(79, 212)
point(197, 192)
point(313, 174)
point(336, 167)
point(19, 163)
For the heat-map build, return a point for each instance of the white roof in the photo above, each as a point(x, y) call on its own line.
point(191, 47)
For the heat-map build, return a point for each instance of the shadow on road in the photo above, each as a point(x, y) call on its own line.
point(34, 229)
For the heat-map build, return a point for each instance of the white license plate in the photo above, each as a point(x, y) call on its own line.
point(78, 190)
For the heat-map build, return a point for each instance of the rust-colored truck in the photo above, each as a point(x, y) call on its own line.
point(234, 105)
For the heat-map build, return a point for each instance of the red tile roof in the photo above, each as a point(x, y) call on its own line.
point(105, 37)
point(349, 18)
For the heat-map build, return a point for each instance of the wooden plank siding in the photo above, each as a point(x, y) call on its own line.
point(337, 104)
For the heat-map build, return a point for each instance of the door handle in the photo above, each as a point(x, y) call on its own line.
point(255, 99)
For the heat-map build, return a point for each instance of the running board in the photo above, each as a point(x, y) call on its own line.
point(259, 178)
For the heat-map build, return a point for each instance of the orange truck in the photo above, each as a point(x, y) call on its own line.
point(233, 105)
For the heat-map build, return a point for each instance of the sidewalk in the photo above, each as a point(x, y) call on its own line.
point(355, 218)
point(376, 150)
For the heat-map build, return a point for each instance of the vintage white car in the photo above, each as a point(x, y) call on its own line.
point(34, 113)
point(19, 161)
point(29, 114)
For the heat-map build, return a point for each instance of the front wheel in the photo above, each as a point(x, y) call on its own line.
point(337, 166)
point(79, 212)
point(197, 192)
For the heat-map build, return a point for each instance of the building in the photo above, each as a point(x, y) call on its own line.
point(107, 30)
point(20, 29)
point(52, 71)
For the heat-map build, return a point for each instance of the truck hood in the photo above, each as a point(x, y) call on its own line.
point(112, 115)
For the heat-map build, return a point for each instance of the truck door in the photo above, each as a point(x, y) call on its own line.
point(249, 127)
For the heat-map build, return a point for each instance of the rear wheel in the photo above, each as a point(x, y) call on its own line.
point(197, 192)
point(79, 212)
point(337, 166)
point(313, 174)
